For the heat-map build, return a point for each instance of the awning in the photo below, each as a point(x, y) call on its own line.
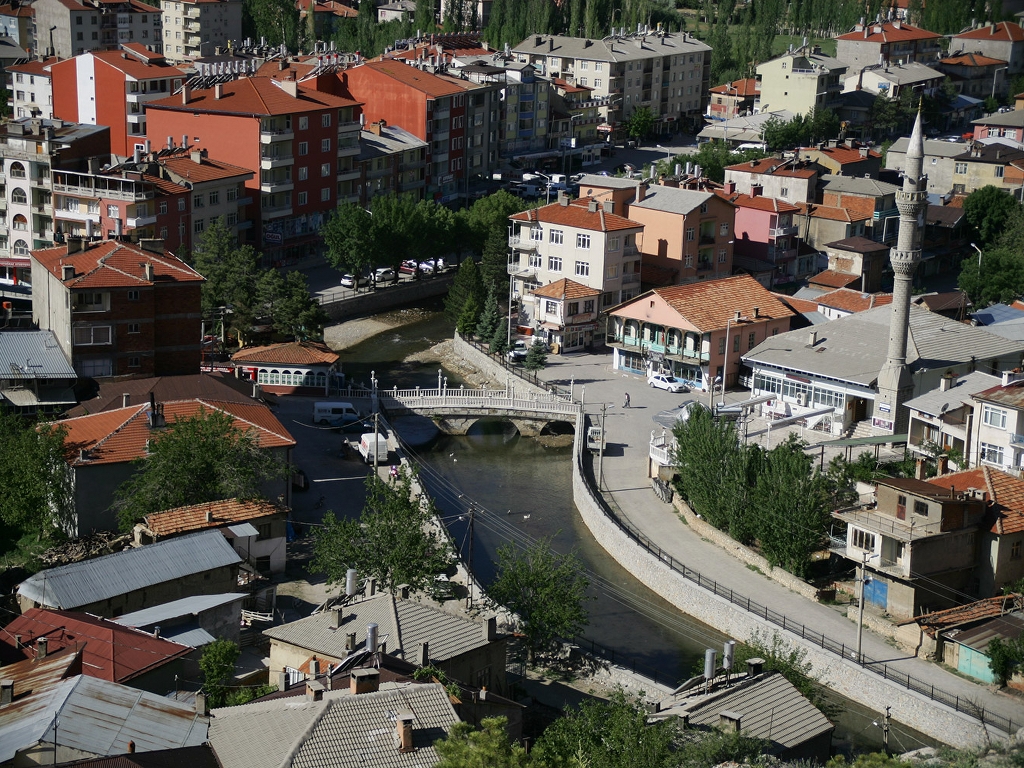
point(241, 530)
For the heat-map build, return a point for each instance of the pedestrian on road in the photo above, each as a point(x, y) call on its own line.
point(393, 474)
point(625, 403)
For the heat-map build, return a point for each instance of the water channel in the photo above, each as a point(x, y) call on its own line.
point(522, 491)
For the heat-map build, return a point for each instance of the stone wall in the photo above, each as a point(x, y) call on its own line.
point(395, 295)
point(491, 368)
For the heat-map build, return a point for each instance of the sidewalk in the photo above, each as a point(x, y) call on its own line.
point(628, 434)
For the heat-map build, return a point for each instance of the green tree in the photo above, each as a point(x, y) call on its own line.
point(499, 339)
point(218, 667)
point(490, 317)
point(395, 539)
point(486, 747)
point(536, 356)
point(988, 210)
point(998, 274)
point(289, 305)
point(349, 238)
point(470, 317)
point(546, 590)
point(276, 20)
point(609, 734)
point(426, 16)
point(640, 123)
point(714, 156)
point(193, 460)
point(494, 261)
point(467, 284)
point(232, 278)
point(490, 214)
point(38, 494)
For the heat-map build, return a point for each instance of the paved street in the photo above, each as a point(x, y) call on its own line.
point(625, 465)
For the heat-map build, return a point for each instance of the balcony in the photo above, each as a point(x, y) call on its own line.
point(81, 216)
point(268, 136)
point(630, 250)
point(526, 273)
point(632, 277)
point(706, 239)
point(192, 12)
point(276, 161)
point(277, 211)
point(522, 243)
point(348, 174)
point(141, 221)
point(244, 201)
point(1016, 439)
point(139, 117)
point(888, 213)
point(782, 231)
point(193, 40)
point(661, 447)
point(271, 186)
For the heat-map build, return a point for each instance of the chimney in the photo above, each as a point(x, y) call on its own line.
point(491, 628)
point(350, 641)
point(131, 747)
point(364, 681)
point(942, 464)
point(947, 382)
point(147, 271)
point(218, 91)
point(404, 732)
point(371, 586)
point(592, 206)
point(336, 615)
point(6, 692)
point(919, 469)
point(812, 338)
point(563, 199)
point(1010, 377)
point(126, 400)
point(41, 644)
point(755, 666)
point(608, 206)
point(757, 312)
point(186, 92)
point(291, 87)
point(197, 156)
point(75, 244)
point(729, 721)
point(756, 190)
point(202, 707)
point(156, 631)
point(424, 654)
point(403, 591)
point(67, 271)
point(282, 680)
point(314, 667)
point(729, 187)
point(314, 690)
point(641, 192)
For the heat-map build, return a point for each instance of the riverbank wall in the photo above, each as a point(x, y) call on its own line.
point(392, 297)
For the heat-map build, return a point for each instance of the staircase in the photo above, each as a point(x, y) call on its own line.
point(862, 429)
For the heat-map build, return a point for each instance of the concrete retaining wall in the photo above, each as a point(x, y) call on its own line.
point(493, 370)
point(841, 676)
point(393, 296)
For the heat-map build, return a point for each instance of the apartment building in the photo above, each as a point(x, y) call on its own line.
point(802, 80)
point(391, 160)
point(582, 240)
point(30, 149)
point(847, 158)
point(113, 88)
point(667, 72)
point(72, 27)
point(870, 197)
point(525, 115)
point(299, 143)
point(118, 309)
point(891, 81)
point(997, 431)
point(730, 100)
point(888, 43)
point(987, 165)
point(794, 181)
point(1003, 40)
point(29, 89)
point(976, 75)
point(764, 234)
point(196, 28)
point(17, 21)
point(216, 190)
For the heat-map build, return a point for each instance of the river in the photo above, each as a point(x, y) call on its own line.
point(522, 491)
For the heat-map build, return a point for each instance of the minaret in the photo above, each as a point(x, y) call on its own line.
point(895, 381)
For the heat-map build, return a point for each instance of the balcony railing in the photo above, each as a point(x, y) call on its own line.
point(782, 231)
point(522, 243)
point(1017, 439)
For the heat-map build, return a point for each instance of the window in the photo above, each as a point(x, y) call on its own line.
point(303, 148)
point(613, 243)
point(555, 237)
point(303, 123)
point(551, 307)
point(688, 260)
point(163, 207)
point(703, 207)
point(993, 417)
point(325, 169)
point(597, 82)
point(200, 225)
point(536, 234)
point(582, 242)
point(325, 194)
point(723, 229)
point(611, 271)
point(91, 335)
point(17, 169)
point(214, 198)
point(133, 328)
point(999, 171)
point(133, 295)
point(736, 343)
point(554, 263)
point(198, 201)
point(582, 269)
point(1015, 550)
point(751, 340)
point(263, 532)
point(863, 540)
point(231, 219)
point(134, 362)
point(722, 255)
point(303, 173)
point(588, 306)
point(921, 508)
point(181, 203)
point(113, 211)
point(721, 346)
point(960, 168)
point(991, 454)
point(303, 198)
point(689, 234)
point(232, 194)
point(325, 145)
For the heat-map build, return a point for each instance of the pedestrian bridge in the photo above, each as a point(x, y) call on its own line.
point(455, 411)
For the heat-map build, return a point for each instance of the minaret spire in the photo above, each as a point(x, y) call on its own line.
point(895, 382)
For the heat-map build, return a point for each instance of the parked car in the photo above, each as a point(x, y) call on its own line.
point(426, 268)
point(384, 275)
point(518, 350)
point(351, 281)
point(666, 382)
point(408, 267)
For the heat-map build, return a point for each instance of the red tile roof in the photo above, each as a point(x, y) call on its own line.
point(771, 166)
point(432, 85)
point(35, 67)
point(21, 10)
point(569, 87)
point(566, 289)
point(288, 353)
point(832, 279)
point(165, 186)
point(1006, 493)
point(710, 304)
point(760, 202)
point(113, 264)
point(213, 514)
point(121, 435)
point(831, 213)
point(1004, 31)
point(973, 60)
point(848, 300)
point(577, 215)
point(129, 64)
point(110, 651)
point(797, 305)
point(207, 169)
point(747, 87)
point(249, 96)
point(843, 155)
point(889, 32)
point(988, 608)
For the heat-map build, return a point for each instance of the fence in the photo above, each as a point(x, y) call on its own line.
point(481, 399)
point(953, 701)
point(517, 370)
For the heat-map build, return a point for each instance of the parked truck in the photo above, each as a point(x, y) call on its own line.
point(371, 445)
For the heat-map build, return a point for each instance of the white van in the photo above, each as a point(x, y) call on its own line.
point(335, 414)
point(371, 443)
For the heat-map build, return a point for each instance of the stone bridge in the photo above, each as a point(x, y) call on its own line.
point(455, 411)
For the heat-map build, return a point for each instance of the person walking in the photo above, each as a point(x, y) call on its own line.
point(625, 403)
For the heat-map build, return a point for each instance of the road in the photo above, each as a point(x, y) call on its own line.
point(625, 475)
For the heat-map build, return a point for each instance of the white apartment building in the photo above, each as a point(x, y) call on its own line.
point(997, 434)
point(668, 72)
point(801, 81)
point(196, 28)
point(29, 88)
point(582, 241)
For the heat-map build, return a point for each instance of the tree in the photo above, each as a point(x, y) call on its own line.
point(640, 123)
point(536, 356)
point(494, 261)
point(499, 339)
point(987, 210)
point(489, 215)
point(287, 301)
point(426, 16)
point(466, 326)
point(349, 239)
point(609, 734)
point(38, 493)
point(714, 156)
point(199, 458)
point(546, 590)
point(218, 667)
point(490, 317)
point(997, 275)
point(486, 747)
point(232, 277)
point(395, 539)
point(276, 20)
point(467, 283)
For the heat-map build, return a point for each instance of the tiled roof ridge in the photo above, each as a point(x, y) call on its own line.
point(141, 407)
point(228, 412)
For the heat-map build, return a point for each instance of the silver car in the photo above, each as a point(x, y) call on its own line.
point(667, 382)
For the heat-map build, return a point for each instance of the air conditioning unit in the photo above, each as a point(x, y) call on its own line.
point(802, 398)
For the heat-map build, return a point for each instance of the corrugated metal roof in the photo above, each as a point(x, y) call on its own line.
point(176, 609)
point(33, 355)
point(190, 634)
point(39, 688)
point(194, 757)
point(1008, 627)
point(100, 578)
point(100, 718)
point(341, 731)
point(405, 623)
point(770, 708)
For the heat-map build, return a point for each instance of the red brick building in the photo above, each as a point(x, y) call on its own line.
point(294, 139)
point(118, 309)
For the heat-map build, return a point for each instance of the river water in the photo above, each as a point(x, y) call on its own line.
point(521, 491)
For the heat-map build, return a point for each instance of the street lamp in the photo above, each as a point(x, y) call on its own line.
point(995, 76)
point(725, 363)
point(979, 256)
point(864, 579)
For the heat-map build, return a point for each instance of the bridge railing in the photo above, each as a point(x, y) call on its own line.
point(481, 399)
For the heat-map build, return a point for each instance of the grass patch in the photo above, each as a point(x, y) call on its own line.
point(22, 550)
point(754, 568)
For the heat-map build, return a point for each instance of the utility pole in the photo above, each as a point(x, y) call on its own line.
point(860, 609)
point(885, 730)
point(376, 441)
point(469, 562)
point(600, 451)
